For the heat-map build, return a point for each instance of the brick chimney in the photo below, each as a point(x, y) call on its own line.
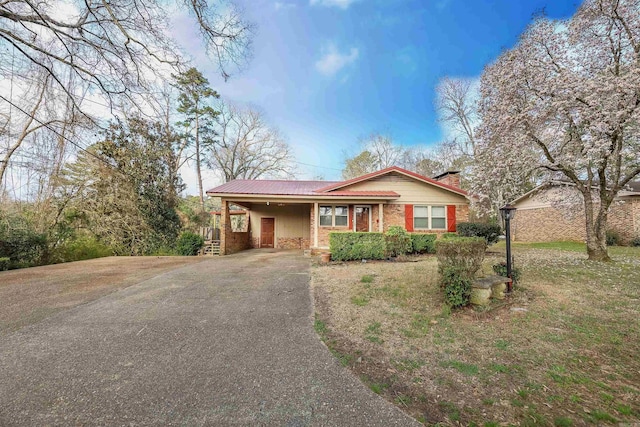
point(451, 178)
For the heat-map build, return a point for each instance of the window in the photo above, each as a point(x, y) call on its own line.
point(438, 217)
point(342, 214)
point(334, 216)
point(421, 217)
point(326, 213)
point(429, 217)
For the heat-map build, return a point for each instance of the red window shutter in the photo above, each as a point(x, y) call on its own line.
point(350, 217)
point(408, 217)
point(451, 218)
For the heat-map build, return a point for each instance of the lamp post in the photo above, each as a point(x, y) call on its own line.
point(508, 212)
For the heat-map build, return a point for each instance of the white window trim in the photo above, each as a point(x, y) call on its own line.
point(333, 215)
point(430, 217)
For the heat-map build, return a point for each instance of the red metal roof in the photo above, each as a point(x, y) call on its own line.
point(317, 188)
point(268, 186)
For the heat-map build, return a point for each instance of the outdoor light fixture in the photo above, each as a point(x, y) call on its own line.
point(508, 212)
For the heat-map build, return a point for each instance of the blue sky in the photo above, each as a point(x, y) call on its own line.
point(327, 72)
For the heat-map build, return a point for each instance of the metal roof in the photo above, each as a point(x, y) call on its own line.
point(268, 186)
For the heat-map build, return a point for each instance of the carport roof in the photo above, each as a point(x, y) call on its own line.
point(270, 186)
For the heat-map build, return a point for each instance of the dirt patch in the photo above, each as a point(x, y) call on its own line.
point(29, 295)
point(559, 351)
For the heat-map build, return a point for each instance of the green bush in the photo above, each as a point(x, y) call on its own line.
point(354, 246)
point(23, 246)
point(449, 235)
point(457, 287)
point(501, 270)
point(613, 238)
point(4, 263)
point(463, 254)
point(490, 232)
point(397, 240)
point(188, 244)
point(81, 248)
point(422, 243)
point(635, 241)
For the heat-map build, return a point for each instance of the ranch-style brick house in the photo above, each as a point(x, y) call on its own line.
point(543, 214)
point(301, 214)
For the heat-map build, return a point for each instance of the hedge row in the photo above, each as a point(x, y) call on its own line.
point(349, 246)
point(354, 246)
point(422, 243)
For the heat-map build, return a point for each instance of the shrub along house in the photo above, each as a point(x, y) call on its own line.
point(301, 214)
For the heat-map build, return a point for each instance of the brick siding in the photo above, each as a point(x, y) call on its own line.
point(549, 224)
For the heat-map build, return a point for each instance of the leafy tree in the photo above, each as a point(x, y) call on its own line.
point(358, 165)
point(126, 188)
point(194, 103)
point(566, 102)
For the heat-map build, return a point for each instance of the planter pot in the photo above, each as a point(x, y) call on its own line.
point(325, 257)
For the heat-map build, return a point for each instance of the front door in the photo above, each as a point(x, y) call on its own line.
point(267, 226)
point(363, 215)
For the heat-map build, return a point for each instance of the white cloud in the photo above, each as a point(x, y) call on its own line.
point(342, 4)
point(333, 61)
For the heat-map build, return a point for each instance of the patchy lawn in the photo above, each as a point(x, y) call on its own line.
point(562, 350)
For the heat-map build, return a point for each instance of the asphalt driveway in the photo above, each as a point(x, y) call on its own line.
point(228, 341)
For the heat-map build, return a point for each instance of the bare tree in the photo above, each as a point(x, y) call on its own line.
point(246, 147)
point(115, 47)
point(379, 151)
point(457, 105)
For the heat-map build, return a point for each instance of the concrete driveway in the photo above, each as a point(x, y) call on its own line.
point(228, 341)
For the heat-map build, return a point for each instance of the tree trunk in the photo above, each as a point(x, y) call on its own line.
point(198, 171)
point(596, 226)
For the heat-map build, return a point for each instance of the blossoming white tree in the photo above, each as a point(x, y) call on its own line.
point(566, 102)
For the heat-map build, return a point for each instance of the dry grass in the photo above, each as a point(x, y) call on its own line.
point(570, 359)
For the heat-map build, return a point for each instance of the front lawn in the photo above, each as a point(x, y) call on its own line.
point(562, 350)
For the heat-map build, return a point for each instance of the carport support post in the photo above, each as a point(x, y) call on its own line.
point(225, 226)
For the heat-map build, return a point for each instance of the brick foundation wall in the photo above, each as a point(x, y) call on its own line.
point(323, 235)
point(392, 215)
point(236, 242)
point(255, 242)
point(462, 213)
point(230, 241)
point(549, 224)
point(293, 243)
point(623, 218)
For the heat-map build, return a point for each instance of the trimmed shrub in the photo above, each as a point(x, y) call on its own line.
point(612, 238)
point(422, 243)
point(351, 246)
point(490, 232)
point(4, 263)
point(501, 270)
point(635, 241)
point(463, 254)
point(457, 287)
point(397, 240)
point(449, 235)
point(188, 244)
